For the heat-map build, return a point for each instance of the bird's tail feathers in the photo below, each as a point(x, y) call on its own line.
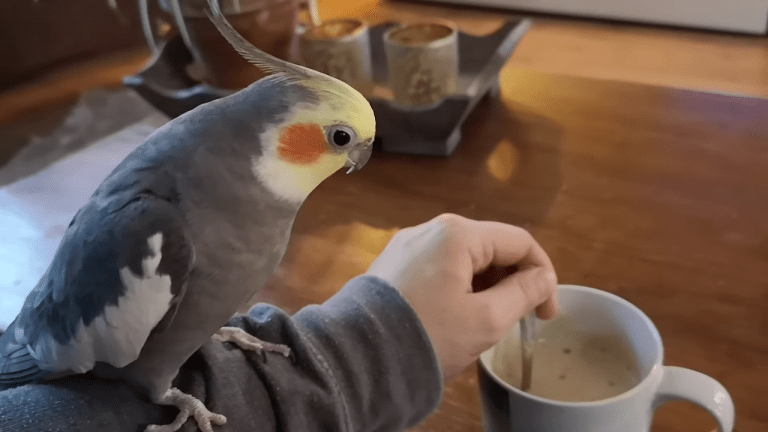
point(17, 366)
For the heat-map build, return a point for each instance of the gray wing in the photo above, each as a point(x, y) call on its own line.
point(119, 274)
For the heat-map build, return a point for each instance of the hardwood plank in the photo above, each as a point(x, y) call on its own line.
point(689, 59)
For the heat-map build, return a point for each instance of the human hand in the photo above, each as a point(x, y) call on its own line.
point(433, 266)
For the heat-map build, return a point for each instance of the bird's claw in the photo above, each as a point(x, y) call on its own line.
point(187, 405)
point(249, 342)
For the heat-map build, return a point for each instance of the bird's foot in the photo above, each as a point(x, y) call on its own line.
point(249, 342)
point(187, 405)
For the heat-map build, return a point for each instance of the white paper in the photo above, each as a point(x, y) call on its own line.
point(35, 211)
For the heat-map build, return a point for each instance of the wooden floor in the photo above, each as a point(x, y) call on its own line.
point(690, 59)
point(673, 57)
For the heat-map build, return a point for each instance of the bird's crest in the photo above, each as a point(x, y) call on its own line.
point(266, 62)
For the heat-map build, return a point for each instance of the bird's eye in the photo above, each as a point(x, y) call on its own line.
point(341, 135)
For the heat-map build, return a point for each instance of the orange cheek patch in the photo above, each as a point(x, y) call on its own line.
point(302, 143)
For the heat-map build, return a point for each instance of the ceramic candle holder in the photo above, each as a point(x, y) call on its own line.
point(423, 62)
point(339, 48)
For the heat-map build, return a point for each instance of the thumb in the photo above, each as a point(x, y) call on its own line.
point(519, 293)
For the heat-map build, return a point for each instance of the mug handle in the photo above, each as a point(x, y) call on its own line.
point(685, 384)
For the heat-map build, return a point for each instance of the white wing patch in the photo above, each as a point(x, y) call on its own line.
point(118, 334)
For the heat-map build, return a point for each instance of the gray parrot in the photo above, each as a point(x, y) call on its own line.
point(184, 231)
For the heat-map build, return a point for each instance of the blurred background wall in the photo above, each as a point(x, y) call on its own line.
point(38, 34)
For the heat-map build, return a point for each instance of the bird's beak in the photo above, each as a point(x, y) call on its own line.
point(358, 157)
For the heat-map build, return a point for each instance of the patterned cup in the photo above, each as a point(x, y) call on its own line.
point(423, 61)
point(339, 48)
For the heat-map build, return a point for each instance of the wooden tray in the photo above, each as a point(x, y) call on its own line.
point(430, 130)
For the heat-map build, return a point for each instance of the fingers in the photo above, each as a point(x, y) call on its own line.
point(534, 285)
point(504, 245)
point(548, 309)
point(492, 243)
point(492, 277)
point(516, 296)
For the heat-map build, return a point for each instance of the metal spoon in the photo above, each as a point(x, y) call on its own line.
point(527, 344)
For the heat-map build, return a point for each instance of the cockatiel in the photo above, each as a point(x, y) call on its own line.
point(184, 231)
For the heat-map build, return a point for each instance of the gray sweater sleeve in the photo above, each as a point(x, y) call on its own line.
point(363, 362)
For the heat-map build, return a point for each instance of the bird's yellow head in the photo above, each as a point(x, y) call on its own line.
point(332, 129)
point(316, 138)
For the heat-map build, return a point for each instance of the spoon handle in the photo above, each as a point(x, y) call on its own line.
point(528, 341)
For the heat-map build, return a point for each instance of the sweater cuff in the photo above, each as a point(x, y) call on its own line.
point(378, 349)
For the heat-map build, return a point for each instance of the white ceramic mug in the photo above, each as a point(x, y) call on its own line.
point(506, 408)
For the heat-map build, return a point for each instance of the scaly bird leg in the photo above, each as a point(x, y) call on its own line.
point(187, 405)
point(248, 342)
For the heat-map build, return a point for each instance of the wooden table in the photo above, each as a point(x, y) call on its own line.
point(657, 195)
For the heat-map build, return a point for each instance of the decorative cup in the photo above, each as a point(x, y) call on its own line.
point(423, 61)
point(507, 408)
point(339, 48)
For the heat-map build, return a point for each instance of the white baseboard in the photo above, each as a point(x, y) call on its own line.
point(743, 16)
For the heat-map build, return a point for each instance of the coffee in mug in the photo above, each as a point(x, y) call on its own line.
point(571, 365)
